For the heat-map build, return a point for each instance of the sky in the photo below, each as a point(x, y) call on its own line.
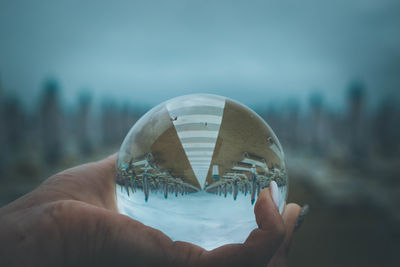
point(257, 52)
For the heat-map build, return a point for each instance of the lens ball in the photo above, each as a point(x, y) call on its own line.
point(193, 166)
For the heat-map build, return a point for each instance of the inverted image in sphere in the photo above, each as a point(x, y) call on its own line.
point(193, 166)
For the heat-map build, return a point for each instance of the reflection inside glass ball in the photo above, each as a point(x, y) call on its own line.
point(193, 166)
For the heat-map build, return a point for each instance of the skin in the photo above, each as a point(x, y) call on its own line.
point(72, 220)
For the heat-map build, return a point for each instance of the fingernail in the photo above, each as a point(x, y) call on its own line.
point(302, 215)
point(275, 193)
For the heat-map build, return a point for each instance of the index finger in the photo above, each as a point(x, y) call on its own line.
point(93, 183)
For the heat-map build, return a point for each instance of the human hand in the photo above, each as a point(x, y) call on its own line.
point(72, 220)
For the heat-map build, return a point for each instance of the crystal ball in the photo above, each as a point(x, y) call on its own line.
point(193, 166)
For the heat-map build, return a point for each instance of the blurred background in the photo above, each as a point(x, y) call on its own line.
point(76, 75)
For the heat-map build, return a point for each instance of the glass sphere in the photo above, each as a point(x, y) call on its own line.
point(193, 167)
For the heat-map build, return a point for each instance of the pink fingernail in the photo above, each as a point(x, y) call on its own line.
point(275, 193)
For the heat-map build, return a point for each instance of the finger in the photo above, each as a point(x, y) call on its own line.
point(102, 169)
point(290, 216)
point(261, 244)
point(108, 165)
point(92, 183)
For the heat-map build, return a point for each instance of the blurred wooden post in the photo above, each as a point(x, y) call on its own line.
point(84, 143)
point(51, 116)
point(317, 131)
point(357, 134)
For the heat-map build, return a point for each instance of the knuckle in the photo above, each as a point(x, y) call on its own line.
point(57, 215)
point(58, 209)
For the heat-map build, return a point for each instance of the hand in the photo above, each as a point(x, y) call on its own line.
point(72, 220)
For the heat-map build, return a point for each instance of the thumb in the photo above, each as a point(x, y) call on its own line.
point(261, 244)
point(290, 216)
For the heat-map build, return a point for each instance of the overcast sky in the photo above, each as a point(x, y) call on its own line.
point(150, 51)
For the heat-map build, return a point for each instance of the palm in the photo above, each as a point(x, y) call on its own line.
point(77, 213)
